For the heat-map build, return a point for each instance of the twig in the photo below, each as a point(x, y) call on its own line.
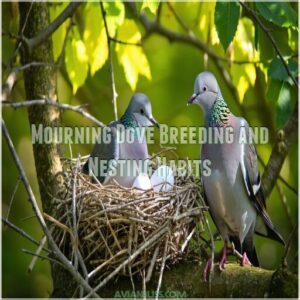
point(162, 268)
point(62, 258)
point(23, 233)
point(212, 252)
point(78, 109)
point(111, 68)
point(12, 77)
point(143, 247)
point(41, 256)
point(289, 244)
point(177, 17)
point(158, 13)
point(279, 152)
point(12, 59)
point(289, 186)
point(74, 218)
point(125, 43)
point(48, 31)
point(270, 37)
point(11, 35)
point(37, 252)
point(12, 197)
point(152, 264)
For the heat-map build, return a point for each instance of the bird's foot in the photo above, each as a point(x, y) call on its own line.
point(207, 269)
point(223, 257)
point(244, 261)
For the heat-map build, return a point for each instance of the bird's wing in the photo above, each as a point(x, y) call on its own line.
point(252, 181)
point(103, 151)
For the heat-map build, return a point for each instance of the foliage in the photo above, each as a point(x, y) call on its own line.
point(166, 72)
point(226, 21)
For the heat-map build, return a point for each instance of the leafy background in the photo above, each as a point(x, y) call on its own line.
point(165, 71)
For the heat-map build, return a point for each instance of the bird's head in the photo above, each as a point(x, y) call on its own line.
point(206, 91)
point(140, 107)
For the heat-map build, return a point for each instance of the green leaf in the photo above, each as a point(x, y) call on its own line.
point(278, 71)
point(273, 90)
point(151, 5)
point(279, 13)
point(76, 59)
point(281, 94)
point(244, 75)
point(284, 105)
point(226, 21)
point(94, 37)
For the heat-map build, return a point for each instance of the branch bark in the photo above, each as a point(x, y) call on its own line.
point(40, 83)
point(284, 140)
point(42, 36)
point(186, 281)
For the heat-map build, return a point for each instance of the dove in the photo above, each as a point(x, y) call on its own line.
point(233, 189)
point(108, 154)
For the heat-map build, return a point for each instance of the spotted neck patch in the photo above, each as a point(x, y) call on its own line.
point(129, 121)
point(219, 114)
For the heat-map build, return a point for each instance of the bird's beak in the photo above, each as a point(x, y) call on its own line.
point(153, 121)
point(191, 100)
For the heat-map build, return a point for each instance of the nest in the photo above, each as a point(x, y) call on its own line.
point(121, 231)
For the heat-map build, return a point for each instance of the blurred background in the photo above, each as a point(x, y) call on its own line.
point(165, 70)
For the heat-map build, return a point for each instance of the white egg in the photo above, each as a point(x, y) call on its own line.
point(162, 179)
point(142, 182)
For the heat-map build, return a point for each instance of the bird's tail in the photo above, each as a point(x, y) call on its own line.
point(264, 225)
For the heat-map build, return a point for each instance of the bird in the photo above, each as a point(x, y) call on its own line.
point(233, 190)
point(108, 154)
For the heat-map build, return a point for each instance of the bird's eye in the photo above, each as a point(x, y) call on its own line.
point(204, 89)
point(142, 111)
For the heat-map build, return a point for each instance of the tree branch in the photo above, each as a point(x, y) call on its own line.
point(270, 37)
point(45, 102)
point(185, 280)
point(23, 233)
point(48, 31)
point(279, 152)
point(59, 255)
point(111, 65)
point(189, 39)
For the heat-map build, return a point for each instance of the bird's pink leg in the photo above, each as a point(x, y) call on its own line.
point(225, 250)
point(223, 258)
point(244, 260)
point(207, 269)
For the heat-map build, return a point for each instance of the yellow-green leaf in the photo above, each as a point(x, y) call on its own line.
point(207, 21)
point(115, 14)
point(244, 75)
point(152, 5)
point(132, 58)
point(94, 37)
point(76, 60)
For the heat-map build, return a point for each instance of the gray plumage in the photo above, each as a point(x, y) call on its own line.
point(106, 157)
point(233, 190)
